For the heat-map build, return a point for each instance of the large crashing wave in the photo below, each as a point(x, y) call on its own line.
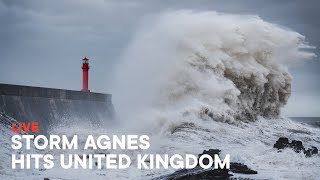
point(228, 67)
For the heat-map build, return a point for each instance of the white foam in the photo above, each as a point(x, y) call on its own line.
point(199, 80)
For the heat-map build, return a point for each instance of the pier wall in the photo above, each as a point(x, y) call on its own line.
point(52, 106)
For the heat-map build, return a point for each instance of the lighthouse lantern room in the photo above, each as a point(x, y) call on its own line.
point(85, 74)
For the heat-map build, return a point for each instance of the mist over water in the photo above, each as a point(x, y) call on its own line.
point(199, 80)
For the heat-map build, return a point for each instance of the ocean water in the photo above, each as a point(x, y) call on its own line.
point(313, 121)
point(249, 143)
point(194, 81)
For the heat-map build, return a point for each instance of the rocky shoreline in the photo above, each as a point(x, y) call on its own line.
point(297, 146)
point(236, 169)
point(199, 173)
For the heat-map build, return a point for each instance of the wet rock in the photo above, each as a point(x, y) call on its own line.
point(198, 173)
point(210, 152)
point(311, 151)
point(297, 146)
point(241, 168)
point(281, 143)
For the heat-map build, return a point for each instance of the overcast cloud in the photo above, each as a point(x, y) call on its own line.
point(42, 42)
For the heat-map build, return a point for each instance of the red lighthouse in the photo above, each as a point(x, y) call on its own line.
point(85, 74)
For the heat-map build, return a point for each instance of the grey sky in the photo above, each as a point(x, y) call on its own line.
point(42, 41)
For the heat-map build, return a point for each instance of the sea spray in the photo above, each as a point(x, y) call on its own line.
point(222, 67)
point(187, 73)
point(201, 80)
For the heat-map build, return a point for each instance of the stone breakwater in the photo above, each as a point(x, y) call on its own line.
point(49, 106)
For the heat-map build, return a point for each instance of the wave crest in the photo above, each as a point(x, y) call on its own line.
point(223, 66)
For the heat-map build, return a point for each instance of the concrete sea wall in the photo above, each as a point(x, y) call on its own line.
point(52, 106)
